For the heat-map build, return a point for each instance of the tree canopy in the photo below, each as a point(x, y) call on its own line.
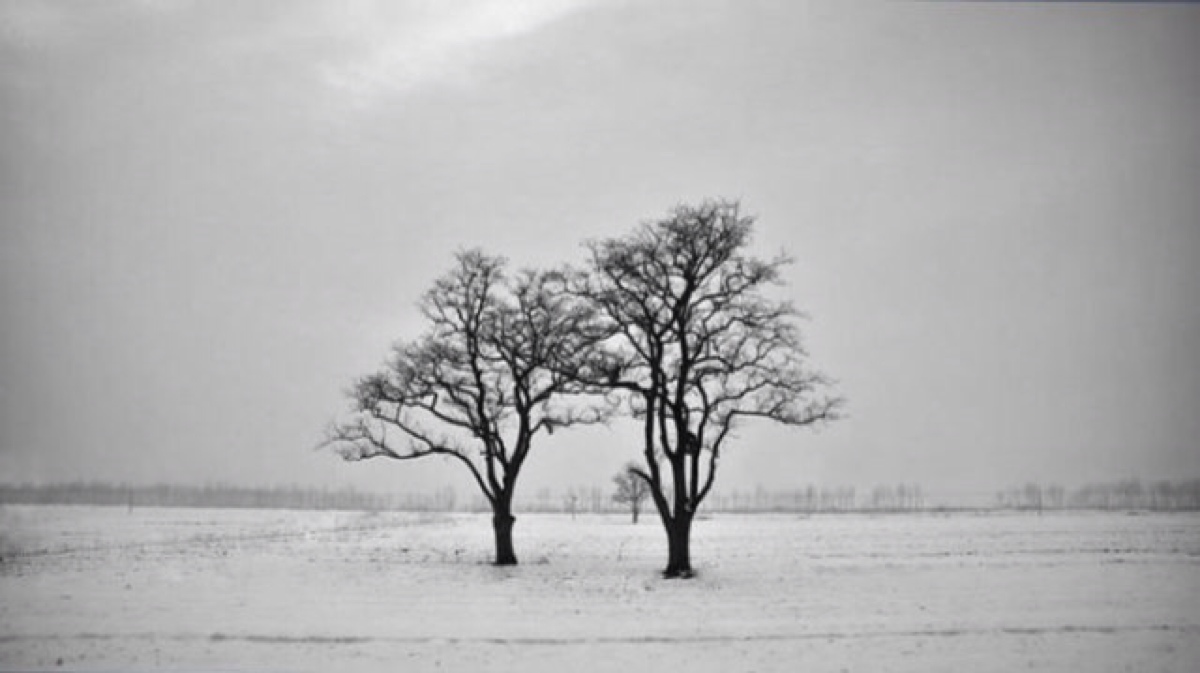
point(699, 347)
point(488, 375)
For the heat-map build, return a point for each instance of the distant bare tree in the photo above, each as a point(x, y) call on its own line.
point(698, 348)
point(1055, 495)
point(488, 376)
point(571, 502)
point(1032, 496)
point(632, 490)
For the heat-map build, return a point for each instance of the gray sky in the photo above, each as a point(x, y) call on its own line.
point(215, 215)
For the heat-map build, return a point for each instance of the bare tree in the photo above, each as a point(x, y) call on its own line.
point(491, 372)
point(632, 490)
point(698, 348)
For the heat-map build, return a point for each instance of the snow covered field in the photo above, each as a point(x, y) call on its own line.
point(155, 589)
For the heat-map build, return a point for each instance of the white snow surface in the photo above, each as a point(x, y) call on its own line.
point(247, 590)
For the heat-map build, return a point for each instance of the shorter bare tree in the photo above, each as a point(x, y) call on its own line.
point(489, 375)
point(632, 490)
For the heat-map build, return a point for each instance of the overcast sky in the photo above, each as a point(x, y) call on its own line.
point(216, 215)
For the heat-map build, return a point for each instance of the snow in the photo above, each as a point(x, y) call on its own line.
point(149, 589)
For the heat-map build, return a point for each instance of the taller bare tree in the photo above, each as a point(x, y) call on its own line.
point(699, 348)
point(491, 372)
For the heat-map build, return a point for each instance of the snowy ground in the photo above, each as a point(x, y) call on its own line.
point(155, 589)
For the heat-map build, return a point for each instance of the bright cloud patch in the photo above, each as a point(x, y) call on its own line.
point(391, 48)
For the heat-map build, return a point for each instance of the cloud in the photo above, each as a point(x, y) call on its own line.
point(360, 50)
point(390, 49)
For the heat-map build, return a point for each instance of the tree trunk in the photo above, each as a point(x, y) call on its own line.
point(679, 560)
point(635, 512)
point(502, 524)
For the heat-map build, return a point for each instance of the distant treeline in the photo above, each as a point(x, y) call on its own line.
point(291, 497)
point(1130, 494)
point(598, 500)
point(1127, 494)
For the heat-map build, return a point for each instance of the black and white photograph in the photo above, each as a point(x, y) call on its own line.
point(599, 335)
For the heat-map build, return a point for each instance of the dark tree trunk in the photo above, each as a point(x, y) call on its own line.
point(502, 524)
point(635, 512)
point(679, 559)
